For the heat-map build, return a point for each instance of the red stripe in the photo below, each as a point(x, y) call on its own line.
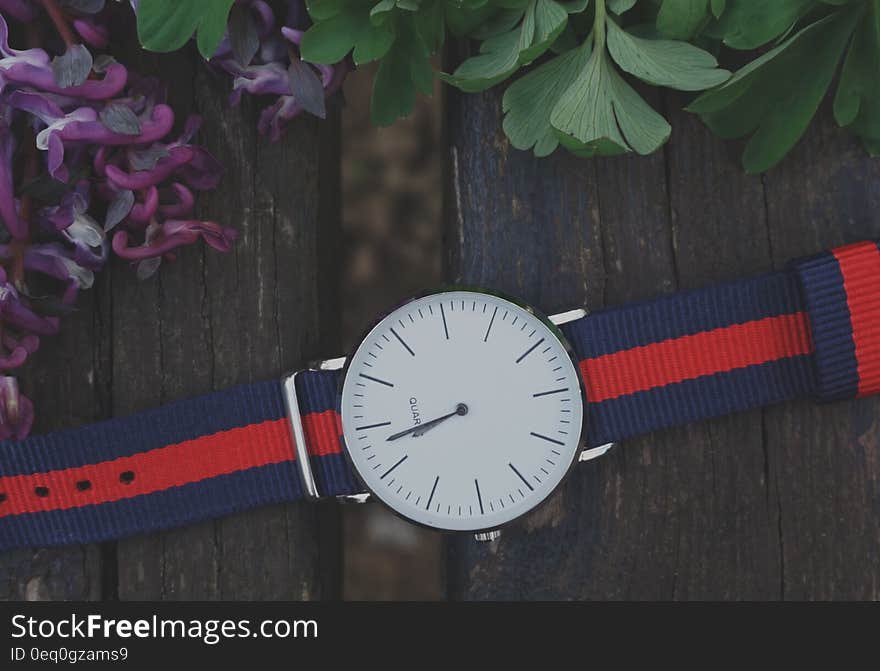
point(323, 430)
point(175, 465)
point(689, 357)
point(860, 267)
point(170, 466)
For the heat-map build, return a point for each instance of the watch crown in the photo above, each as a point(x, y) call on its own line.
point(487, 536)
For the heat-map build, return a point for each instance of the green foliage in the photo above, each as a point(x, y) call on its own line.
point(774, 98)
point(403, 34)
point(575, 71)
point(166, 25)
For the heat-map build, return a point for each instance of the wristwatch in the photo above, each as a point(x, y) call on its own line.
point(461, 410)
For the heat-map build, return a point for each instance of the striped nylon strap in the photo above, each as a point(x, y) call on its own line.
point(813, 330)
point(175, 465)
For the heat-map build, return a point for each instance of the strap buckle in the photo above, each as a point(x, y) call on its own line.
point(303, 464)
point(587, 453)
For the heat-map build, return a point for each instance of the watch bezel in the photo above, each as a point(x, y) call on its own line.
point(524, 305)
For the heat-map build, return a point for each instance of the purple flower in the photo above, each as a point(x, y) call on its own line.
point(144, 179)
point(82, 125)
point(33, 68)
point(16, 410)
point(20, 9)
point(172, 234)
point(264, 22)
point(8, 206)
point(193, 164)
point(15, 351)
point(62, 263)
point(185, 202)
point(93, 33)
point(142, 213)
point(14, 312)
point(110, 132)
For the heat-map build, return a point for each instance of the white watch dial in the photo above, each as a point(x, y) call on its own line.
point(462, 411)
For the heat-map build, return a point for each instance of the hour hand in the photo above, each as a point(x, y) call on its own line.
point(420, 429)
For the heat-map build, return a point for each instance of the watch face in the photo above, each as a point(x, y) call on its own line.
point(462, 410)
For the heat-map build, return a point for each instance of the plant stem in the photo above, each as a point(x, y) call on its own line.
point(60, 22)
point(26, 211)
point(599, 26)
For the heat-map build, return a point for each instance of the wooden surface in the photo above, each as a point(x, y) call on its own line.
point(782, 503)
point(206, 322)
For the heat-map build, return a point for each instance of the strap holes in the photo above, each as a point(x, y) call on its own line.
point(126, 477)
point(42, 492)
point(84, 485)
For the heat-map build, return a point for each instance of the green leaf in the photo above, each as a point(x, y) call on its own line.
point(678, 65)
point(212, 28)
point(718, 7)
point(682, 19)
point(776, 96)
point(394, 93)
point(320, 10)
point(601, 115)
point(373, 43)
point(857, 103)
point(330, 40)
point(431, 25)
point(528, 102)
point(749, 24)
point(620, 6)
point(529, 33)
point(405, 71)
point(501, 55)
point(166, 25)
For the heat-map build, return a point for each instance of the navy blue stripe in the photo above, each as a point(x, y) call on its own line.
point(125, 436)
point(334, 475)
point(831, 326)
point(698, 399)
point(318, 391)
point(169, 508)
point(685, 313)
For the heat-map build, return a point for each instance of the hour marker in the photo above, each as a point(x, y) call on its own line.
point(408, 348)
point(491, 321)
point(443, 314)
point(402, 459)
point(433, 489)
point(529, 350)
point(547, 393)
point(513, 468)
point(375, 379)
point(549, 440)
point(371, 426)
point(479, 498)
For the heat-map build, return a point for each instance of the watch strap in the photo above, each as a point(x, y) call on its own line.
point(842, 301)
point(810, 330)
point(177, 464)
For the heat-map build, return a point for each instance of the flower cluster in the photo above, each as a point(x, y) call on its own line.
point(263, 58)
point(88, 165)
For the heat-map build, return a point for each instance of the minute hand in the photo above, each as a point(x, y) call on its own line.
point(419, 429)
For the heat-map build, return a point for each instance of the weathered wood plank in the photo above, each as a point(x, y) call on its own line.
point(826, 459)
point(211, 321)
point(695, 512)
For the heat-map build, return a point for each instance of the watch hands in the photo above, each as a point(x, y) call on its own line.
point(420, 429)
